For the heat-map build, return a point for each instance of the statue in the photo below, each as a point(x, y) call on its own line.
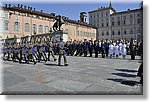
point(57, 25)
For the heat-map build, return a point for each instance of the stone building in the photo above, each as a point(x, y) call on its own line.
point(22, 21)
point(117, 25)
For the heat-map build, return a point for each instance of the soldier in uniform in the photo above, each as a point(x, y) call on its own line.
point(5, 52)
point(10, 52)
point(15, 53)
point(62, 53)
point(50, 51)
point(30, 54)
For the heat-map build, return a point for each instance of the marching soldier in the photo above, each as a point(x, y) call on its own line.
point(30, 55)
point(62, 53)
point(50, 51)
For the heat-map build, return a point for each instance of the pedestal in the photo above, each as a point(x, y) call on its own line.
point(60, 34)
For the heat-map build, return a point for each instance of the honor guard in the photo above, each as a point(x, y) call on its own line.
point(62, 53)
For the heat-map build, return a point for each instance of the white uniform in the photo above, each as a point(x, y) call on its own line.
point(124, 51)
point(111, 49)
point(120, 48)
point(116, 50)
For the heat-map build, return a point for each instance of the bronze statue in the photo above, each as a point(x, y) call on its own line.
point(57, 25)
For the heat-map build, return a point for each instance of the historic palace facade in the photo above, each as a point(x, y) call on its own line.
point(117, 25)
point(22, 21)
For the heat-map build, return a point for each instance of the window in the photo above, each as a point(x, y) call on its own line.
point(6, 26)
point(131, 31)
point(106, 13)
point(125, 32)
point(84, 34)
point(113, 33)
point(118, 32)
point(102, 14)
point(102, 25)
point(138, 21)
point(107, 33)
point(6, 15)
point(124, 22)
point(34, 28)
point(46, 29)
point(78, 33)
point(113, 23)
point(27, 28)
point(102, 33)
point(81, 33)
point(16, 26)
point(118, 22)
point(40, 29)
point(107, 24)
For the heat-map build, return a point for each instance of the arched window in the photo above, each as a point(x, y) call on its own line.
point(40, 29)
point(27, 28)
point(6, 26)
point(16, 26)
point(34, 28)
point(46, 29)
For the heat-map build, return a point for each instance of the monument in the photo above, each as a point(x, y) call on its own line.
point(58, 33)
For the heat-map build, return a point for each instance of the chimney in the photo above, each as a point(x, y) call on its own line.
point(9, 5)
point(5, 5)
point(28, 7)
point(34, 9)
point(41, 10)
point(18, 5)
point(25, 7)
point(21, 6)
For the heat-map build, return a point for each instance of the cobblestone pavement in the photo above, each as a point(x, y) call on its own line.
point(84, 75)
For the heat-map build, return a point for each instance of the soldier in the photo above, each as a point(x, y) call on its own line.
point(10, 52)
point(15, 53)
point(5, 52)
point(50, 51)
point(30, 54)
point(62, 53)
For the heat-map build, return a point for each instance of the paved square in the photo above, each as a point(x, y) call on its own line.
point(84, 75)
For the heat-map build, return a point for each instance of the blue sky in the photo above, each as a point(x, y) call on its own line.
point(72, 10)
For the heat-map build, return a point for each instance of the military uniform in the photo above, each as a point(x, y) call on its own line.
point(62, 53)
point(30, 55)
point(50, 51)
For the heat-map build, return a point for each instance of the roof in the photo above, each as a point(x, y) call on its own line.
point(128, 11)
point(101, 9)
point(34, 12)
